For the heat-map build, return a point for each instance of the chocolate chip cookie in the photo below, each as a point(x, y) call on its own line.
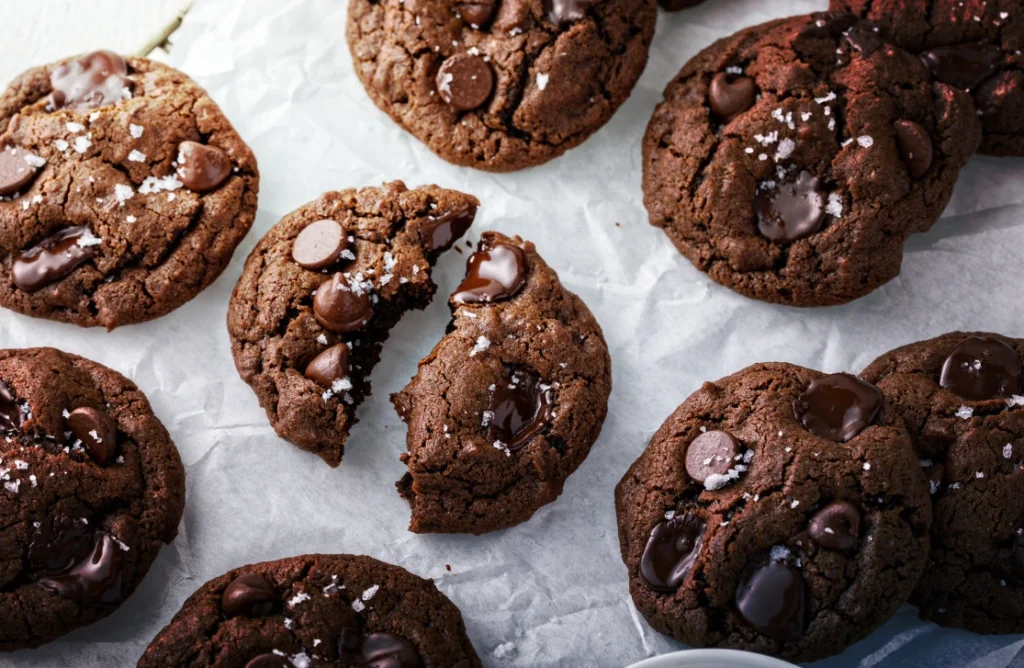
point(974, 45)
point(962, 398)
point(92, 487)
point(123, 191)
point(509, 402)
point(500, 84)
point(778, 510)
point(320, 293)
point(315, 610)
point(791, 160)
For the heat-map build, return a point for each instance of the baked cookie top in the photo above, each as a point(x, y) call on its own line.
point(123, 191)
point(778, 510)
point(791, 160)
point(320, 293)
point(500, 84)
point(315, 610)
point(962, 398)
point(975, 45)
point(509, 402)
point(92, 487)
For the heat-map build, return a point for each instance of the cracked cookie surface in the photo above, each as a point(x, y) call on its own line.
point(509, 402)
point(306, 336)
point(966, 420)
point(500, 85)
point(742, 528)
point(92, 487)
point(315, 610)
point(148, 232)
point(791, 160)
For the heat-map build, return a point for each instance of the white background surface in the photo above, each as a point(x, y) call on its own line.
point(551, 592)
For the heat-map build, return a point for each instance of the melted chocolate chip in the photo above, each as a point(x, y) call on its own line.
point(96, 430)
point(671, 551)
point(15, 171)
point(836, 526)
point(564, 12)
point(53, 258)
point(94, 80)
point(249, 595)
point(518, 409)
point(915, 147)
point(270, 660)
point(377, 650)
point(711, 453)
point(793, 210)
point(339, 308)
point(838, 407)
point(730, 95)
point(982, 367)
point(477, 13)
point(319, 244)
point(772, 597)
point(492, 274)
point(330, 366)
point(60, 542)
point(443, 229)
point(95, 579)
point(202, 168)
point(465, 81)
point(13, 413)
point(964, 65)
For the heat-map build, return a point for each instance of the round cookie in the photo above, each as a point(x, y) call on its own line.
point(962, 398)
point(777, 510)
point(500, 85)
point(791, 160)
point(320, 293)
point(975, 45)
point(315, 610)
point(508, 403)
point(123, 191)
point(92, 487)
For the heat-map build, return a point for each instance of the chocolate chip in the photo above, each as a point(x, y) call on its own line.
point(12, 411)
point(94, 80)
point(378, 650)
point(338, 307)
point(443, 229)
point(202, 168)
point(492, 274)
point(671, 551)
point(465, 81)
point(836, 526)
point(864, 40)
point(97, 578)
point(319, 244)
point(772, 597)
point(564, 12)
point(249, 595)
point(915, 147)
point(519, 408)
point(329, 366)
point(793, 210)
point(270, 661)
point(730, 95)
point(711, 453)
point(96, 430)
point(60, 542)
point(477, 13)
point(53, 258)
point(982, 367)
point(964, 65)
point(838, 407)
point(15, 171)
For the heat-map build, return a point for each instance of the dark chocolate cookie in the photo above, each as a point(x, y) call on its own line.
point(509, 402)
point(92, 487)
point(777, 510)
point(500, 84)
point(975, 45)
point(962, 398)
point(791, 160)
point(320, 293)
point(315, 610)
point(123, 191)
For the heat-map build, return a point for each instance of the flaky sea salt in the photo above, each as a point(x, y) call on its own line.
point(542, 81)
point(482, 344)
point(136, 156)
point(135, 130)
point(965, 412)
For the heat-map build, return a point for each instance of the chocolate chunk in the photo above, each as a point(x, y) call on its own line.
point(711, 453)
point(518, 409)
point(202, 168)
point(94, 80)
point(772, 597)
point(564, 12)
point(249, 595)
point(465, 81)
point(16, 173)
point(477, 13)
point(444, 229)
point(864, 40)
point(730, 95)
point(60, 542)
point(964, 65)
point(53, 258)
point(329, 366)
point(319, 244)
point(270, 661)
point(96, 430)
point(838, 407)
point(915, 147)
point(492, 274)
point(339, 308)
point(671, 551)
point(12, 411)
point(793, 210)
point(836, 526)
point(96, 578)
point(377, 650)
point(982, 367)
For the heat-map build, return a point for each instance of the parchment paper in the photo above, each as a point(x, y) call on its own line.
point(551, 592)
